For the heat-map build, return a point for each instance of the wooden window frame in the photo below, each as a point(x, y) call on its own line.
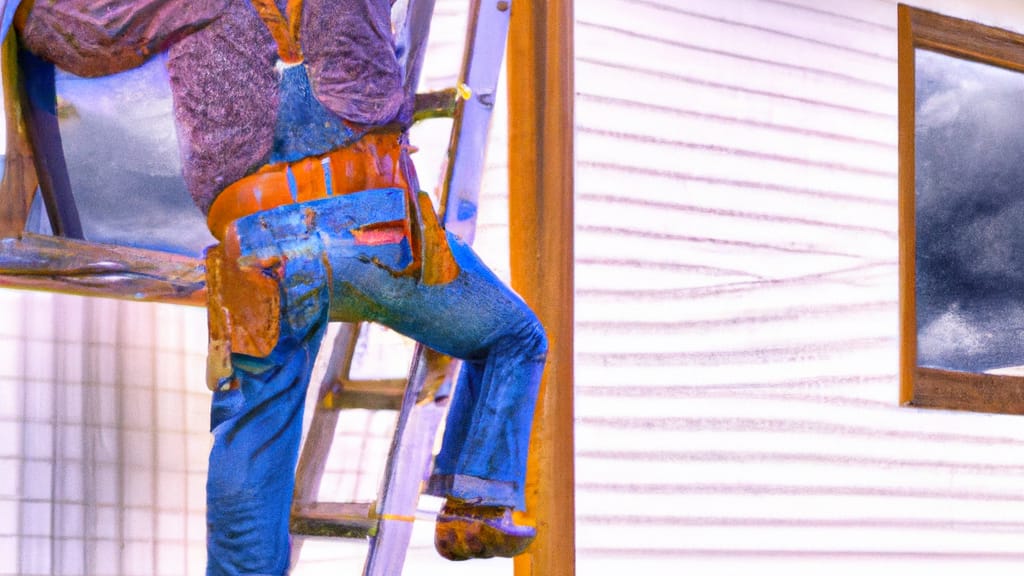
point(929, 387)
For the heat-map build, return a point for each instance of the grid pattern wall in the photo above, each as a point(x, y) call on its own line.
point(104, 446)
point(736, 330)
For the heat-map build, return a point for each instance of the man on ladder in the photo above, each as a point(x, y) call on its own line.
point(293, 125)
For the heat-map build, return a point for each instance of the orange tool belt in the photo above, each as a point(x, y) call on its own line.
point(374, 161)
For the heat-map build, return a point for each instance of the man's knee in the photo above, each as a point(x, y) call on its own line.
point(530, 338)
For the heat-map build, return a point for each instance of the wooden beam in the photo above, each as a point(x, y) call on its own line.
point(541, 162)
point(962, 38)
point(950, 390)
point(88, 269)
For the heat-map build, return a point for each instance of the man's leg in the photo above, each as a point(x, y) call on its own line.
point(256, 430)
point(483, 456)
point(475, 317)
point(482, 465)
point(476, 520)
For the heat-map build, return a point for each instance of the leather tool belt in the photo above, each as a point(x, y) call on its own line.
point(374, 161)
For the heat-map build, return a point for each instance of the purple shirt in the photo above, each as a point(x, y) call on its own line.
point(221, 61)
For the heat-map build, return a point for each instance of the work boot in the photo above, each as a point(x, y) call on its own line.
point(466, 530)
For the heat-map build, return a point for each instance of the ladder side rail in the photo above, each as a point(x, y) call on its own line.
point(411, 448)
point(408, 462)
point(478, 84)
point(411, 22)
point(420, 415)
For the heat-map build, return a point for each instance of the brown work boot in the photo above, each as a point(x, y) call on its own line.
point(466, 530)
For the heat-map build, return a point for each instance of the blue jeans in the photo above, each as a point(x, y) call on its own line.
point(257, 427)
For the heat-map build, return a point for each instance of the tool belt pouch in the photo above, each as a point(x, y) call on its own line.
point(243, 312)
point(439, 266)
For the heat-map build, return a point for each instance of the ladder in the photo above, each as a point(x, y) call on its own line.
point(422, 399)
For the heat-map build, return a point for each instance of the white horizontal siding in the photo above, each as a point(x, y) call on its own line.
point(736, 331)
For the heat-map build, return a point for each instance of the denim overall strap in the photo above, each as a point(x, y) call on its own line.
point(304, 126)
point(284, 28)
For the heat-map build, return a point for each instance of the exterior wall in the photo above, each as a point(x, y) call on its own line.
point(102, 457)
point(737, 333)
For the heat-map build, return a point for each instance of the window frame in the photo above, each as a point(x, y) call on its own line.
point(920, 386)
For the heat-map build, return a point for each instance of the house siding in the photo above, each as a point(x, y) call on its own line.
point(736, 335)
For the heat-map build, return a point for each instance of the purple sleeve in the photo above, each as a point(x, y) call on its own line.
point(351, 58)
point(100, 37)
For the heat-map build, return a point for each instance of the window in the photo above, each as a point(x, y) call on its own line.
point(961, 142)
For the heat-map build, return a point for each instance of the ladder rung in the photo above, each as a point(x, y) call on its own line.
point(334, 519)
point(439, 104)
point(366, 394)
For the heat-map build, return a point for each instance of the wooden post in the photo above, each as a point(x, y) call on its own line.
point(19, 180)
point(907, 238)
point(540, 80)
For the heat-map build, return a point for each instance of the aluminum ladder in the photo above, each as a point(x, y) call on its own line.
point(388, 522)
